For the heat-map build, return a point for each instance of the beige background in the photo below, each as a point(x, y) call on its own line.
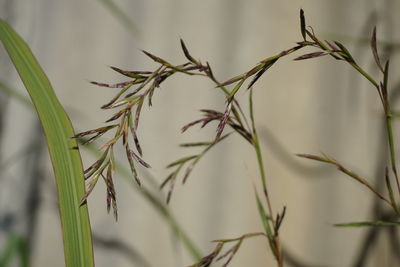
point(302, 107)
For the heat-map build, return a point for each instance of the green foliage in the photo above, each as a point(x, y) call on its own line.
point(16, 247)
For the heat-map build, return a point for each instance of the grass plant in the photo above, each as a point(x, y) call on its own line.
point(128, 104)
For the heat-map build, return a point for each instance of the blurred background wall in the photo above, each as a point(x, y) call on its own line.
point(301, 107)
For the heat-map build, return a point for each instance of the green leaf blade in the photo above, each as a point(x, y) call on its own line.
point(65, 158)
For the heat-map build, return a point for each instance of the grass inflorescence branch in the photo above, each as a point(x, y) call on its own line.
point(339, 52)
point(129, 101)
point(216, 255)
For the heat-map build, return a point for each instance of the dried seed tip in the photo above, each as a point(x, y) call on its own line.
point(223, 121)
point(108, 200)
point(100, 84)
point(116, 115)
point(308, 156)
point(267, 65)
point(115, 213)
point(232, 80)
point(98, 131)
point(181, 161)
point(386, 75)
point(149, 55)
point(211, 112)
point(334, 48)
point(221, 127)
point(311, 55)
point(171, 188)
point(78, 135)
point(83, 200)
point(186, 53)
point(346, 52)
point(132, 165)
point(188, 171)
point(155, 58)
point(90, 140)
point(117, 85)
point(141, 161)
point(116, 69)
point(138, 110)
point(279, 219)
point(303, 24)
point(209, 70)
point(137, 144)
point(375, 50)
point(196, 144)
point(170, 177)
point(169, 196)
point(187, 126)
point(208, 259)
point(131, 74)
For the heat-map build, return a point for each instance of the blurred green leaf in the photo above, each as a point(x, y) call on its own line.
point(14, 94)
point(363, 224)
point(14, 244)
point(120, 14)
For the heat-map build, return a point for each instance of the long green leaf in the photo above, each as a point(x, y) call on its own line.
point(65, 158)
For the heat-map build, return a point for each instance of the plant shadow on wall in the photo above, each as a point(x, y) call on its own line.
point(139, 89)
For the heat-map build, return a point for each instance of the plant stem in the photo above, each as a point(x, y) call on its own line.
point(388, 118)
point(391, 146)
point(276, 248)
point(382, 91)
point(365, 74)
point(256, 145)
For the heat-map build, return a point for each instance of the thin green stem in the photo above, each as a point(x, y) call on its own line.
point(388, 116)
point(276, 248)
point(365, 74)
point(388, 120)
point(257, 147)
point(391, 147)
